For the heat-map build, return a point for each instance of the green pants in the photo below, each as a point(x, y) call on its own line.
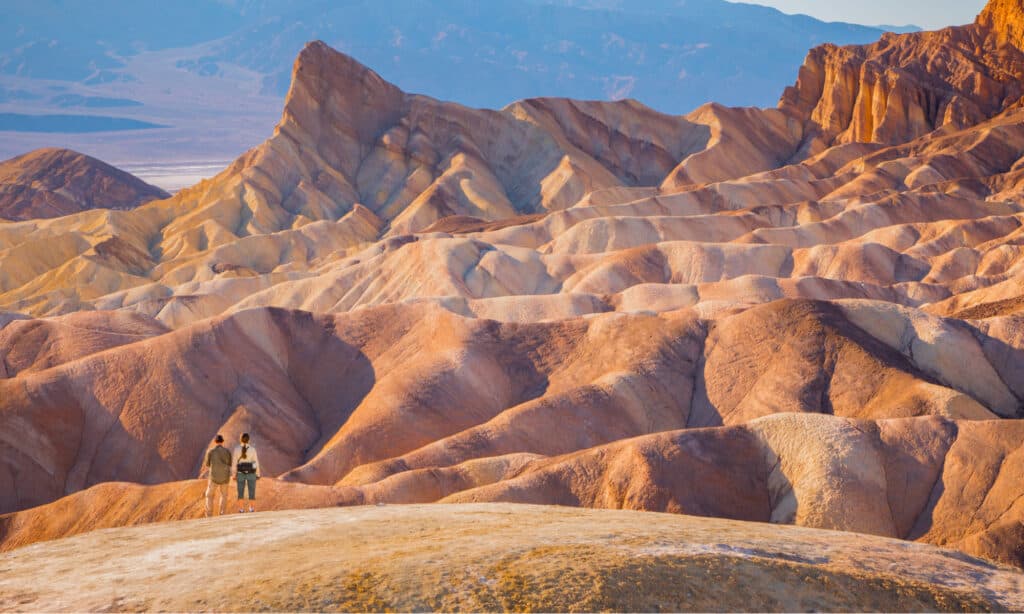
point(250, 479)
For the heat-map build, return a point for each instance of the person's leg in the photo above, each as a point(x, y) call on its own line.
point(223, 497)
point(252, 491)
point(240, 478)
point(209, 498)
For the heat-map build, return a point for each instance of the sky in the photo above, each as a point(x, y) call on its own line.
point(928, 14)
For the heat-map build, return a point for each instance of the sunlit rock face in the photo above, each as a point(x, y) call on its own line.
point(1004, 20)
point(905, 86)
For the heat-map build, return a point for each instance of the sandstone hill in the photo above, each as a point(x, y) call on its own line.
point(491, 558)
point(54, 182)
point(750, 314)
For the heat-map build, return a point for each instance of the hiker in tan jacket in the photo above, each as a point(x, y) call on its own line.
point(218, 460)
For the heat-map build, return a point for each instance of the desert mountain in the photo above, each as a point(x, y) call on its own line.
point(53, 182)
point(186, 100)
point(743, 313)
point(354, 159)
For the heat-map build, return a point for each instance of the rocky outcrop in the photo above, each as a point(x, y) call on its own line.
point(905, 86)
point(53, 182)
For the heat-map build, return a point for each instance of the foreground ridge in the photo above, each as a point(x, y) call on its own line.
point(495, 557)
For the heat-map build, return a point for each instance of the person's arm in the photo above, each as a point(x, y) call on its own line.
point(256, 464)
point(205, 465)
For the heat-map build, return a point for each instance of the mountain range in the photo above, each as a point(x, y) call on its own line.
point(177, 95)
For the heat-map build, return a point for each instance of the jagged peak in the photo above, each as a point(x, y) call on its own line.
point(327, 81)
point(1005, 18)
point(317, 58)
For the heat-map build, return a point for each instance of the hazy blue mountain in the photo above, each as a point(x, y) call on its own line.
point(74, 39)
point(187, 82)
point(671, 54)
point(66, 101)
point(900, 29)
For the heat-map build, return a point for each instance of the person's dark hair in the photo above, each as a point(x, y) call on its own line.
point(245, 439)
point(219, 438)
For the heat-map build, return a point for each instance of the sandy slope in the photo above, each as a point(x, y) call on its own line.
point(492, 557)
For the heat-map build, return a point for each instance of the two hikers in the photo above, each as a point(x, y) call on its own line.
point(243, 465)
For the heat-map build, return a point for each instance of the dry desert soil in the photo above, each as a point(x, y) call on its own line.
point(493, 557)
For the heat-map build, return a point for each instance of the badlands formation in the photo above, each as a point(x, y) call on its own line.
point(808, 315)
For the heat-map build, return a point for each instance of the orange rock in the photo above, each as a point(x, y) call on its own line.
point(905, 86)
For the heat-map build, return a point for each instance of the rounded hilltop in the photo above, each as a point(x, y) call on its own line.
point(52, 182)
point(495, 557)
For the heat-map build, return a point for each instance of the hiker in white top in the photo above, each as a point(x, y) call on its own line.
point(247, 471)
